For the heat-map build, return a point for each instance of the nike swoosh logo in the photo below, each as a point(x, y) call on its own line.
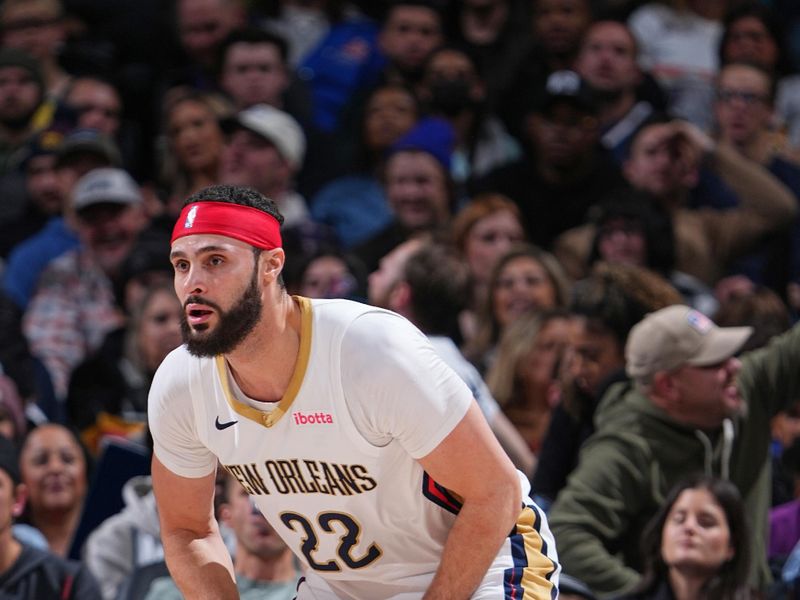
point(222, 426)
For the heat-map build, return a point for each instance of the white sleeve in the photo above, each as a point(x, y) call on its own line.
point(170, 413)
point(397, 386)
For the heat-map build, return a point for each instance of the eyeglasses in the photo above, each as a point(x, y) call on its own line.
point(749, 98)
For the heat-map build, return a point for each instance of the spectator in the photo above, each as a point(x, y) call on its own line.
point(754, 35)
point(485, 229)
point(28, 572)
point(524, 374)
point(603, 309)
point(664, 162)
point(743, 112)
point(524, 279)
point(264, 565)
point(759, 307)
point(193, 144)
point(13, 424)
point(79, 152)
point(453, 89)
point(692, 406)
point(630, 230)
point(607, 62)
point(678, 44)
point(202, 26)
point(330, 273)
point(16, 361)
point(495, 33)
point(557, 28)
point(127, 541)
point(354, 205)
point(698, 544)
point(418, 188)
point(410, 32)
point(333, 48)
point(96, 104)
point(108, 391)
point(38, 28)
point(44, 199)
point(566, 166)
point(21, 94)
point(265, 151)
point(425, 282)
point(254, 70)
point(55, 473)
point(74, 305)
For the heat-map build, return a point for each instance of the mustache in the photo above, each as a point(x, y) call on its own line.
point(199, 300)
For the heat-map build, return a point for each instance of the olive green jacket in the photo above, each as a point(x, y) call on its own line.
point(638, 453)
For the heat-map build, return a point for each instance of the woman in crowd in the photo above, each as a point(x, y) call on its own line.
point(523, 378)
point(483, 231)
point(54, 470)
point(696, 546)
point(193, 141)
point(633, 231)
point(330, 273)
point(354, 205)
point(108, 392)
point(525, 279)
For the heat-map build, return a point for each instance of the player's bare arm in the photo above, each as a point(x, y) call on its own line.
point(470, 463)
point(197, 558)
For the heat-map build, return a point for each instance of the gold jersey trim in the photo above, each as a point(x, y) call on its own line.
point(268, 419)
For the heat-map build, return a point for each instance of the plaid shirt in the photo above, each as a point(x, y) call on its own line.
point(70, 314)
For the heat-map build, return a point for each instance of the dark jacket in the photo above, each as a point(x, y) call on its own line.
point(41, 575)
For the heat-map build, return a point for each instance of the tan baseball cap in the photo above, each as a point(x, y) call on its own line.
point(678, 335)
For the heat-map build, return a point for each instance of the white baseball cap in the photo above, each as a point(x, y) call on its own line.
point(276, 126)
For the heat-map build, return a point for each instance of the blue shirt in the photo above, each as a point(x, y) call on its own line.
point(29, 259)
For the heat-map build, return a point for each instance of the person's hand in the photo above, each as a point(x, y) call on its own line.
point(697, 138)
point(689, 147)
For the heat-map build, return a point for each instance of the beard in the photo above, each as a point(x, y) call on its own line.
point(234, 324)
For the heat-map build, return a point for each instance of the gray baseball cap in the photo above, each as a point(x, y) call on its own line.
point(106, 185)
point(679, 335)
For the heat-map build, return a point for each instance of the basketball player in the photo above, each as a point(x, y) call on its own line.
point(361, 447)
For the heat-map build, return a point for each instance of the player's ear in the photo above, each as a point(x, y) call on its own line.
point(272, 262)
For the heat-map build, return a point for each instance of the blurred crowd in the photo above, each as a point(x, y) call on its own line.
point(525, 180)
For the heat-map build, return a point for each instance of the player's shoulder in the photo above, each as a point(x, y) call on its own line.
point(357, 319)
point(180, 367)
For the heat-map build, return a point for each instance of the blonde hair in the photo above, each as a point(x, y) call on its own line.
point(488, 329)
point(172, 174)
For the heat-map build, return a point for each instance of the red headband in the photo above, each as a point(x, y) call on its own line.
point(250, 225)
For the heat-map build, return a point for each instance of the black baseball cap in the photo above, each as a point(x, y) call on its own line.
point(566, 87)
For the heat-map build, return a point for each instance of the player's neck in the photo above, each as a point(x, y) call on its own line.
point(264, 363)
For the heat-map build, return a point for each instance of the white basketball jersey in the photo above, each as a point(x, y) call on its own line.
point(362, 516)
